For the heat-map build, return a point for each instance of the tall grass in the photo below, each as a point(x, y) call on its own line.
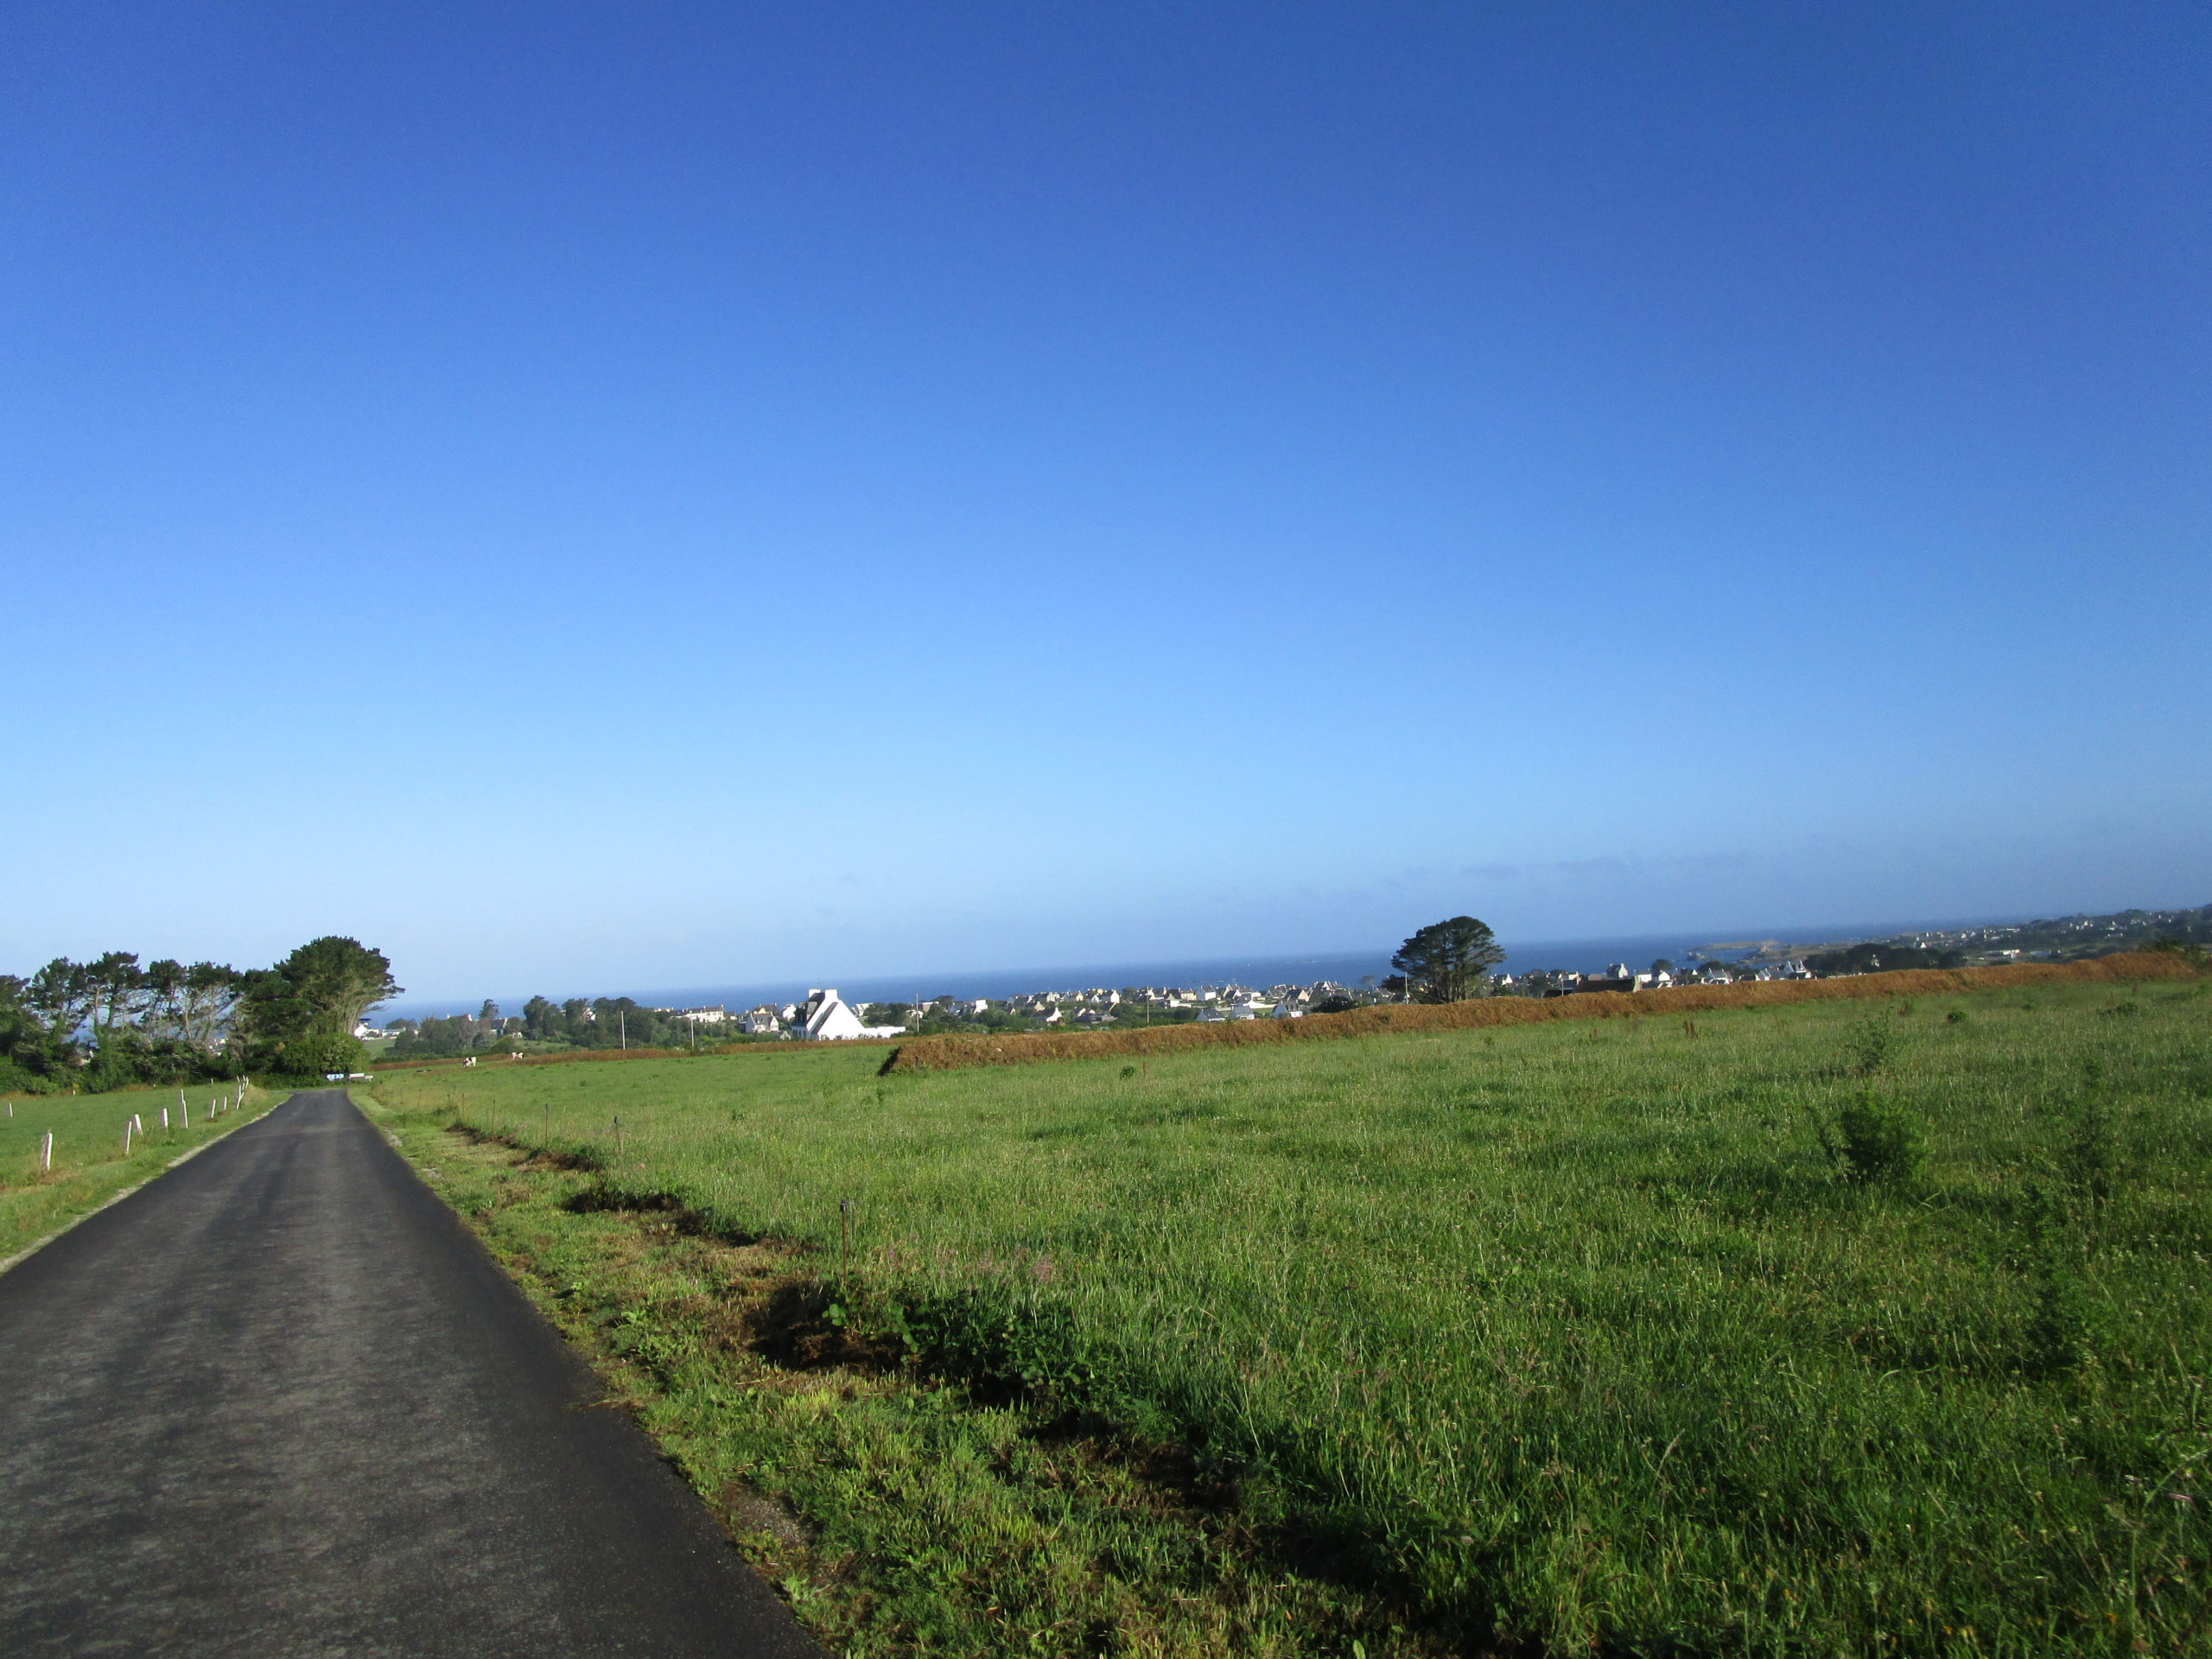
point(1566, 1331)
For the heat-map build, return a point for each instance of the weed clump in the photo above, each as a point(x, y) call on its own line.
point(2088, 1158)
point(1874, 1140)
point(1872, 1040)
point(2058, 1336)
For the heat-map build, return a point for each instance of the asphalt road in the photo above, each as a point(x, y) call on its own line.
point(280, 1403)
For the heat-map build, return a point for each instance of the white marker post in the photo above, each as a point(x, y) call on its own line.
point(45, 1152)
point(187, 1111)
point(165, 1117)
point(126, 1137)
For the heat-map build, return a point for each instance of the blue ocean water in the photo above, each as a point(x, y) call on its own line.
point(1346, 967)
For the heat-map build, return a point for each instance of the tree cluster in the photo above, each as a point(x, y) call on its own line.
point(1882, 958)
point(1446, 962)
point(113, 1022)
point(579, 1022)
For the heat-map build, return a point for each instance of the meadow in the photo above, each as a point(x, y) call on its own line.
point(89, 1166)
point(1829, 1328)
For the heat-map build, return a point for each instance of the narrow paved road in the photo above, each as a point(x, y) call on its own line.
point(281, 1403)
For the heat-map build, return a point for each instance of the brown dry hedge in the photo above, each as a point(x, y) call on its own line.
point(952, 1054)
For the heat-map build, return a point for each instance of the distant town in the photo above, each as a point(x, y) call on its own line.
point(822, 1015)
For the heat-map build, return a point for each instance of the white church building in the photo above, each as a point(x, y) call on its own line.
point(825, 1017)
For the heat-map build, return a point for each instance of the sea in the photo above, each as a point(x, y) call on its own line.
point(1345, 966)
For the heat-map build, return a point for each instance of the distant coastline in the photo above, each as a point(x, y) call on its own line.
point(1346, 967)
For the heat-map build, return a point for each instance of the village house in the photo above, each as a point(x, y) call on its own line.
point(825, 1017)
point(1248, 1007)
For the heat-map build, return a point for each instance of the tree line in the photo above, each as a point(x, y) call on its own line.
point(114, 1022)
point(582, 1022)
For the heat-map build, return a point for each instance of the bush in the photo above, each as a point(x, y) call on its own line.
point(15, 1079)
point(2062, 1328)
point(112, 1068)
point(1872, 1039)
point(320, 1054)
point(1874, 1139)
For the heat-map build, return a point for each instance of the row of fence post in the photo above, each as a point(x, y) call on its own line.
point(134, 1126)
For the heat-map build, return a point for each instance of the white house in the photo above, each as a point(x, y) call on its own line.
point(762, 1021)
point(825, 1017)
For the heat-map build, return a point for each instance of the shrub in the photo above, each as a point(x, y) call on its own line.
point(320, 1054)
point(1874, 1139)
point(2060, 1331)
point(15, 1079)
point(1872, 1039)
point(108, 1071)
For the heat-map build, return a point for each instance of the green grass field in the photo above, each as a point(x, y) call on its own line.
point(1573, 1338)
point(89, 1167)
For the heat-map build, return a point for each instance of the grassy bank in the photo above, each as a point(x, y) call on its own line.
point(89, 1166)
point(1579, 1335)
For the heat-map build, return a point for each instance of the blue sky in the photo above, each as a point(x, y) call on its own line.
point(664, 494)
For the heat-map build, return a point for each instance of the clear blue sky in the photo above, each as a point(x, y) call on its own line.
point(593, 496)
